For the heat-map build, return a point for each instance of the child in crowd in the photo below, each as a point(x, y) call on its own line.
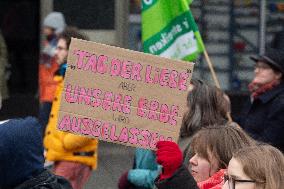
point(213, 147)
point(260, 166)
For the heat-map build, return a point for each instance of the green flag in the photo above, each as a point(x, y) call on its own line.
point(169, 29)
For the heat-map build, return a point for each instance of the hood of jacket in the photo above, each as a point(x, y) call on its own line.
point(21, 151)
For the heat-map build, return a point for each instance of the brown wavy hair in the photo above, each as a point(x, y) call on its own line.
point(264, 164)
point(207, 106)
point(221, 142)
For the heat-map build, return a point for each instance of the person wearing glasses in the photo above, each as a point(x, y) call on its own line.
point(213, 148)
point(263, 117)
point(255, 167)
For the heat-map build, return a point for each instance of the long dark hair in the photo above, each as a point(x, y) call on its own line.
point(207, 105)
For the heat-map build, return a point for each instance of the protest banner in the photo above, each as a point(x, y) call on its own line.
point(123, 96)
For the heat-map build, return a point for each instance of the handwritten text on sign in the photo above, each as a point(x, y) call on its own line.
point(123, 96)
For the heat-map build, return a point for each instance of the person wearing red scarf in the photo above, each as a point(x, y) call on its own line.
point(263, 116)
point(212, 149)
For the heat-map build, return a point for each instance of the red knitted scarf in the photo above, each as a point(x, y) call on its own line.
point(256, 90)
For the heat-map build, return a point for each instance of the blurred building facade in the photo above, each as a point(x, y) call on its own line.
point(230, 30)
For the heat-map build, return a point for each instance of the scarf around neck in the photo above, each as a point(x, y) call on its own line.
point(257, 90)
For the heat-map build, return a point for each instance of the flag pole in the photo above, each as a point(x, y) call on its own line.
point(216, 81)
point(211, 69)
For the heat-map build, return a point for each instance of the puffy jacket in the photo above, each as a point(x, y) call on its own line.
point(64, 146)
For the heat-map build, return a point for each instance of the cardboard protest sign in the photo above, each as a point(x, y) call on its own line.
point(123, 96)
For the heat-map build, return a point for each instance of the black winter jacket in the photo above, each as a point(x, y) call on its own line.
point(264, 118)
point(45, 180)
point(182, 179)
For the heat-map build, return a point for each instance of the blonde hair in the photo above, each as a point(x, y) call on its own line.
point(264, 164)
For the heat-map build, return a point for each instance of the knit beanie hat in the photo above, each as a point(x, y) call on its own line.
point(56, 21)
point(21, 151)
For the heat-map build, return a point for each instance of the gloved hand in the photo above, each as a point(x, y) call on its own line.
point(123, 182)
point(169, 156)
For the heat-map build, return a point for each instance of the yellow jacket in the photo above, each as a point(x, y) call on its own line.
point(64, 146)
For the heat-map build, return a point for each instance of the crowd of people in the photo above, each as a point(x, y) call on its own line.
point(212, 151)
point(73, 157)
